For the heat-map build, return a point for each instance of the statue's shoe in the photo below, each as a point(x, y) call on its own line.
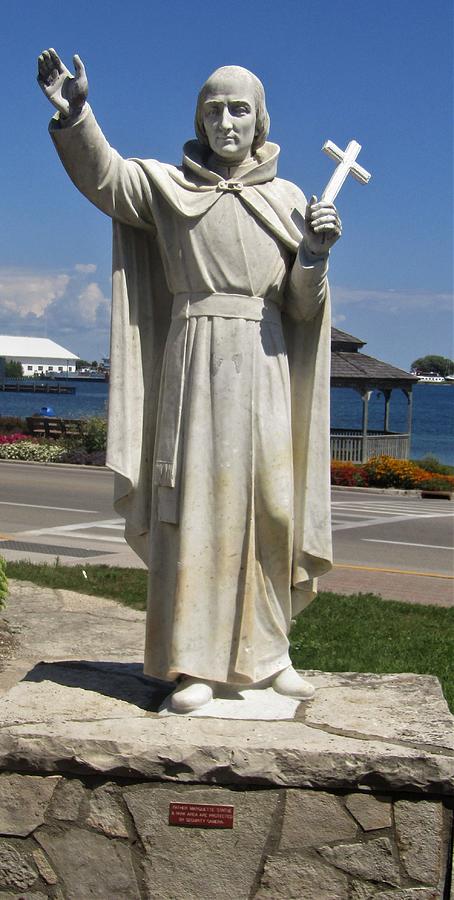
point(190, 694)
point(290, 684)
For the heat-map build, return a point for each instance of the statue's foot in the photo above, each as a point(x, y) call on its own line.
point(290, 684)
point(190, 694)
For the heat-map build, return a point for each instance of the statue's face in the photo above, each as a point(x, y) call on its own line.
point(229, 117)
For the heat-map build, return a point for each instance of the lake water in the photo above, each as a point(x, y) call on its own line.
point(90, 399)
point(433, 417)
point(433, 412)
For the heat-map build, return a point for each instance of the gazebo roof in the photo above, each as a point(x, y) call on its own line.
point(340, 340)
point(349, 368)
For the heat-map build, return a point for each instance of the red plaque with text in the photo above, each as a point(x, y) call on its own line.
point(201, 815)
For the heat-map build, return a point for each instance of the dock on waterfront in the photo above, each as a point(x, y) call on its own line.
point(29, 386)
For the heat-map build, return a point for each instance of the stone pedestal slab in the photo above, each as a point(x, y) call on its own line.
point(367, 731)
point(347, 798)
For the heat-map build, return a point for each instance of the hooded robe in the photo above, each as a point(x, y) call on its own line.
point(219, 400)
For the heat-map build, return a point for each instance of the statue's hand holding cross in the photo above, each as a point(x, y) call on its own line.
point(323, 226)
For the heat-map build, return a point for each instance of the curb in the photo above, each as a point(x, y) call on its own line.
point(399, 492)
point(437, 495)
point(35, 462)
point(412, 492)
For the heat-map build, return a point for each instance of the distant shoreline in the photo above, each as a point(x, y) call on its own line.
point(433, 412)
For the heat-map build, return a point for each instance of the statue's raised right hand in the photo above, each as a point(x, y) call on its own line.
point(65, 91)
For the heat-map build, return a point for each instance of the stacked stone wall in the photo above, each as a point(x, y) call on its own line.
point(72, 838)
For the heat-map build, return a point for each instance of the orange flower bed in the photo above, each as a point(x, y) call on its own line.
point(386, 471)
point(348, 474)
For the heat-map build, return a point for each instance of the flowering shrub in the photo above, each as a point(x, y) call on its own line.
point(348, 474)
point(95, 434)
point(437, 483)
point(13, 438)
point(33, 450)
point(385, 471)
point(12, 425)
point(87, 448)
point(432, 464)
point(78, 456)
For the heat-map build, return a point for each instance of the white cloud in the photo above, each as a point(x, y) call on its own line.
point(393, 301)
point(86, 268)
point(66, 306)
point(23, 292)
point(88, 303)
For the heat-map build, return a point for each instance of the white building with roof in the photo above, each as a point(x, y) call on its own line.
point(38, 356)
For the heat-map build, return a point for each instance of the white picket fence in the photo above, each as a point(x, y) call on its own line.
point(351, 446)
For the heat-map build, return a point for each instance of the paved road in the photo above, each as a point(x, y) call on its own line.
point(398, 545)
point(66, 512)
point(393, 531)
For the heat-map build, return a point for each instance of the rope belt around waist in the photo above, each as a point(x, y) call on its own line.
point(185, 307)
point(229, 306)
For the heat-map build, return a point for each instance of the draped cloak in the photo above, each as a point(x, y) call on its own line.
point(151, 205)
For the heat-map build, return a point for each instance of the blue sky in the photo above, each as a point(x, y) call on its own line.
point(377, 72)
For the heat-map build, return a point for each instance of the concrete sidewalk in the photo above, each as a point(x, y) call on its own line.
point(51, 624)
point(408, 587)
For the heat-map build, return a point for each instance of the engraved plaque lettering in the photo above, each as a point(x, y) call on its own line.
point(201, 815)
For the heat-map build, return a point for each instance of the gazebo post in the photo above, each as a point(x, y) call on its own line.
point(366, 395)
point(409, 395)
point(387, 396)
point(363, 374)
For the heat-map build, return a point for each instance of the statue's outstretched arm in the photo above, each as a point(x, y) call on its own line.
point(66, 92)
point(117, 186)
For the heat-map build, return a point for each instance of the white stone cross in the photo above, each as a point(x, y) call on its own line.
point(347, 166)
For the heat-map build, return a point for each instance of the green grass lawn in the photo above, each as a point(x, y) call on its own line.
point(336, 633)
point(128, 586)
point(363, 633)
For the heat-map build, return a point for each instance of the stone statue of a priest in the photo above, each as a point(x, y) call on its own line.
point(219, 403)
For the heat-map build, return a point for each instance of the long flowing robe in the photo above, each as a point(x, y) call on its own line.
point(218, 411)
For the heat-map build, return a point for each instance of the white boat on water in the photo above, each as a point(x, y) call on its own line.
point(433, 378)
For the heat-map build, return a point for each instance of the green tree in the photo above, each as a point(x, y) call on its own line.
point(13, 369)
point(439, 364)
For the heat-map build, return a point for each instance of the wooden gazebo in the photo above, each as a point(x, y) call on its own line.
point(364, 374)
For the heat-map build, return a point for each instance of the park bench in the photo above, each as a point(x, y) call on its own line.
point(54, 427)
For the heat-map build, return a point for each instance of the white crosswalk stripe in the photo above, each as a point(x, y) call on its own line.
point(85, 531)
point(367, 511)
point(349, 514)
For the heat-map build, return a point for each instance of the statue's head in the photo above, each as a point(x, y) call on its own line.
point(231, 115)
